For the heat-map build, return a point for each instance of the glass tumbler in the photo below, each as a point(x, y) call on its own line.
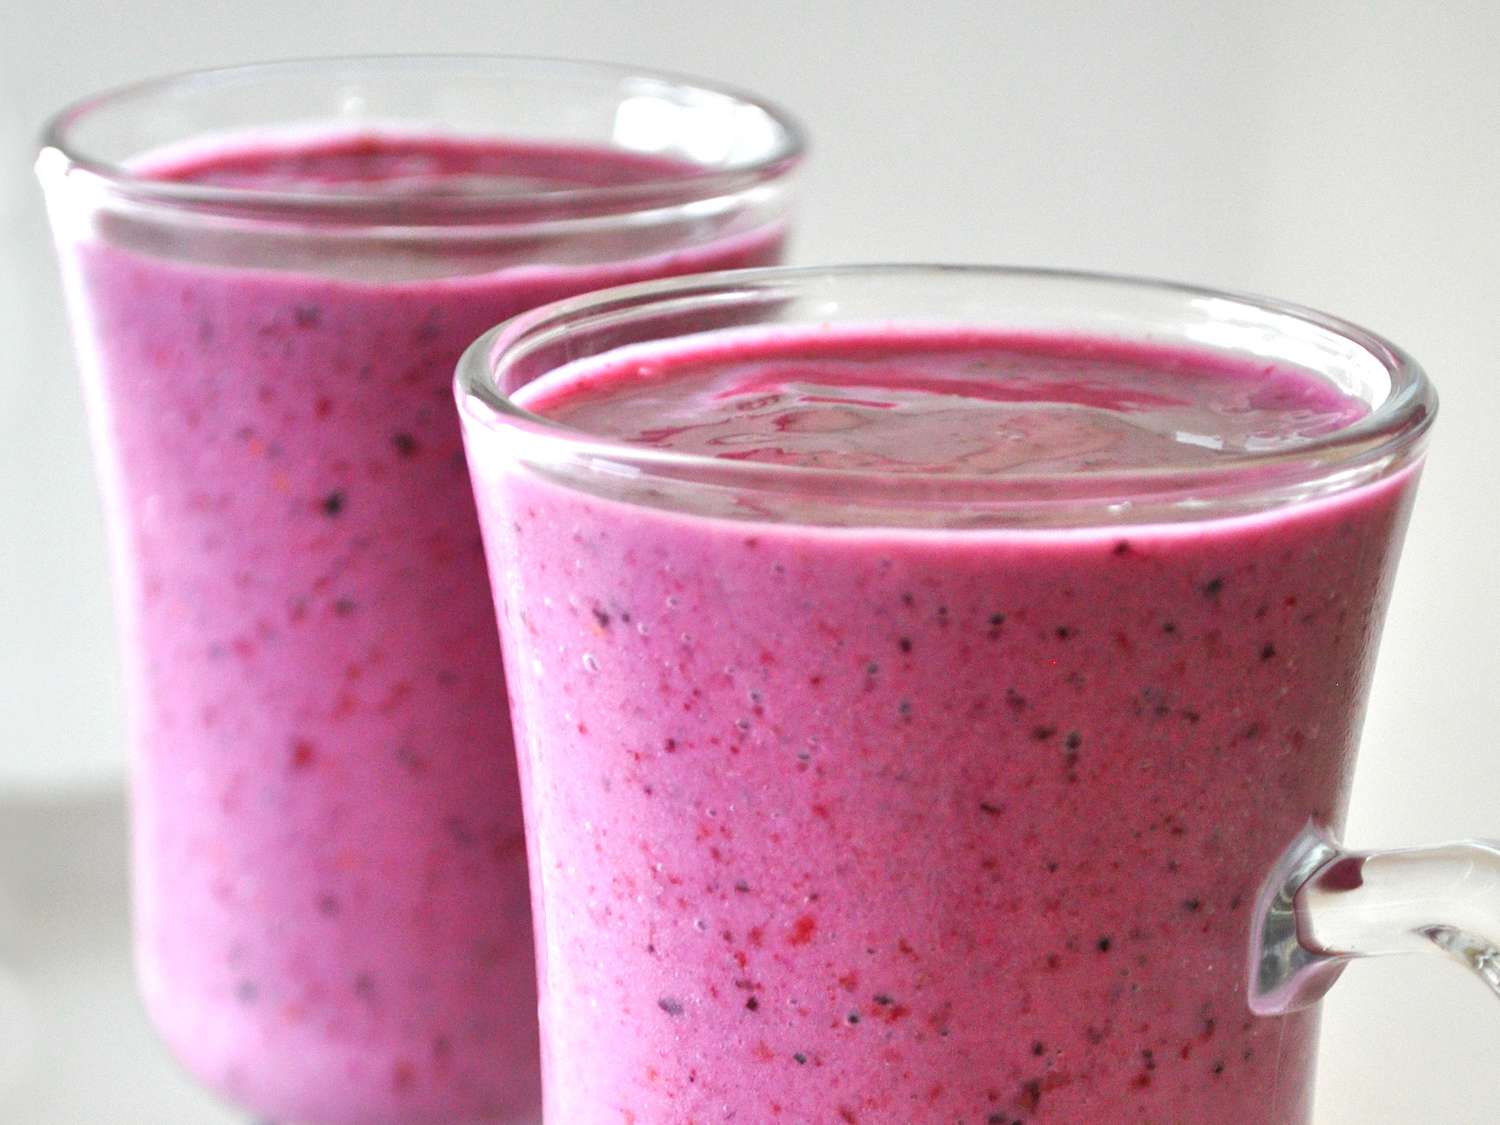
point(881, 797)
point(271, 271)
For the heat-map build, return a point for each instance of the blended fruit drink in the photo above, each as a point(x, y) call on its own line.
point(884, 808)
point(332, 921)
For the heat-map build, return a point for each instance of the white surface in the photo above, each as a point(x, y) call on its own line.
point(75, 1047)
point(1338, 154)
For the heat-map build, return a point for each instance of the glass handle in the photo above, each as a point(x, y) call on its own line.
point(1322, 906)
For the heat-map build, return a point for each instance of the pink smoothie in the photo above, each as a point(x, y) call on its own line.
point(923, 824)
point(332, 921)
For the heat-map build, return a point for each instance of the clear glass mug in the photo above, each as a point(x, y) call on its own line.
point(331, 916)
point(779, 866)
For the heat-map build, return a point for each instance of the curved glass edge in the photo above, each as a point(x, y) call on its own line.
point(1380, 445)
point(59, 159)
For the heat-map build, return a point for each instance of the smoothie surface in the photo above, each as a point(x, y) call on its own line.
point(397, 163)
point(954, 403)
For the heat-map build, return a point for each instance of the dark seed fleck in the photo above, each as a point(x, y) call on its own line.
point(601, 617)
point(1031, 1094)
point(905, 644)
point(405, 444)
point(333, 503)
point(307, 316)
point(1267, 651)
point(1213, 587)
point(801, 1058)
point(989, 810)
point(1104, 944)
point(1192, 905)
point(752, 1004)
point(669, 1005)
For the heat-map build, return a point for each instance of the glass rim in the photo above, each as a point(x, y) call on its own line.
point(59, 151)
point(1375, 446)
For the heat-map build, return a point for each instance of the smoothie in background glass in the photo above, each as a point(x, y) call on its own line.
point(913, 691)
point(272, 271)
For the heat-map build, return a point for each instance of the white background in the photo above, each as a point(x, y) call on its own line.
point(1339, 154)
